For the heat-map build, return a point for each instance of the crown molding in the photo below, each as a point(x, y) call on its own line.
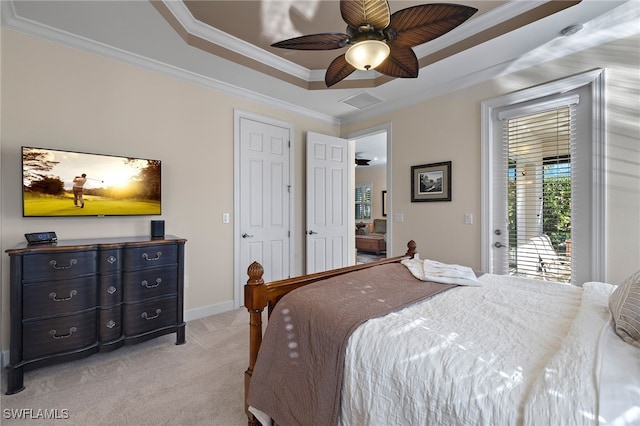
point(11, 20)
point(220, 38)
point(199, 29)
point(213, 35)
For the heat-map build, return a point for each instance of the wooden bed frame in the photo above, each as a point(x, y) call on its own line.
point(259, 295)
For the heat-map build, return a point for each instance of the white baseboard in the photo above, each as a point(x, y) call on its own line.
point(191, 314)
point(205, 311)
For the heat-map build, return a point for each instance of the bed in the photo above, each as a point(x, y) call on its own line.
point(493, 350)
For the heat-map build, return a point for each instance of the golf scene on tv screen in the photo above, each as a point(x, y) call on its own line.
point(67, 183)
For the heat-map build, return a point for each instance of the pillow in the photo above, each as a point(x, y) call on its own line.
point(380, 226)
point(625, 308)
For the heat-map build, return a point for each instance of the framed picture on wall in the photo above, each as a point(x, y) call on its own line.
point(384, 203)
point(431, 182)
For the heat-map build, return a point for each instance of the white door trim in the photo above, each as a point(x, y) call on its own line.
point(386, 127)
point(240, 271)
point(595, 79)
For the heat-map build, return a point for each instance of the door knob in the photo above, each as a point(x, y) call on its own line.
point(245, 235)
point(498, 244)
point(312, 232)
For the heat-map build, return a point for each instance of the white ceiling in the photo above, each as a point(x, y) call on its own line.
point(372, 147)
point(136, 32)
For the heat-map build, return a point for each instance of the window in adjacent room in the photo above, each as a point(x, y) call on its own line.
point(363, 201)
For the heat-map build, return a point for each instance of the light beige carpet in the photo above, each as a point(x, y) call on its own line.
point(152, 383)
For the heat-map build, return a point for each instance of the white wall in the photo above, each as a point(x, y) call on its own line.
point(448, 128)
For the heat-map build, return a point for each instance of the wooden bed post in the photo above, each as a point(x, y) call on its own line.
point(255, 300)
point(411, 249)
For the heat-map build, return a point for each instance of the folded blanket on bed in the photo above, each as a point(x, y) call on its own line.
point(444, 273)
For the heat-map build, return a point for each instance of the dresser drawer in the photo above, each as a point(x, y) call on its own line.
point(58, 297)
point(150, 256)
point(110, 260)
point(58, 265)
point(148, 283)
point(56, 335)
point(109, 324)
point(110, 292)
point(148, 316)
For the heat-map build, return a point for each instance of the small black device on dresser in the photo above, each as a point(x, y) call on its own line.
point(77, 297)
point(41, 237)
point(157, 228)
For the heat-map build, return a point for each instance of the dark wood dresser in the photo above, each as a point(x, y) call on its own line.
point(73, 298)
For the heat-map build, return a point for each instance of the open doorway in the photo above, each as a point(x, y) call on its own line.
point(371, 195)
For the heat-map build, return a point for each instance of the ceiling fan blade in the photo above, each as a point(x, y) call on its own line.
point(324, 41)
point(338, 70)
point(360, 12)
point(419, 24)
point(402, 63)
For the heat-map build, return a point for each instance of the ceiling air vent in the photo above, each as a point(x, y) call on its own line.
point(361, 100)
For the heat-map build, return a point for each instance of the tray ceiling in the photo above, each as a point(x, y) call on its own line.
point(226, 45)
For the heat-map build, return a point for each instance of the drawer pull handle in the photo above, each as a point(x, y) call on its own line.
point(147, 317)
point(111, 259)
point(111, 324)
point(112, 290)
point(146, 284)
point(54, 296)
point(146, 257)
point(63, 336)
point(54, 264)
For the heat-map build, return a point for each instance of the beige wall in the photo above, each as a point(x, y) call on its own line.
point(53, 96)
point(448, 128)
point(63, 98)
point(377, 177)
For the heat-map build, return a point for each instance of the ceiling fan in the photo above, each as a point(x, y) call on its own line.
point(380, 40)
point(362, 162)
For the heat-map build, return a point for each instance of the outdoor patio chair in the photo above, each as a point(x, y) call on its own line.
point(552, 266)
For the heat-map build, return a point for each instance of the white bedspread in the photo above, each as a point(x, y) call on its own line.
point(498, 354)
point(534, 363)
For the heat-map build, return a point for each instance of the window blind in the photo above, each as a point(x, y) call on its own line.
point(538, 147)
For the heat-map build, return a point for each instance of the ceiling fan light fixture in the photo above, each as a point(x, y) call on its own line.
point(367, 54)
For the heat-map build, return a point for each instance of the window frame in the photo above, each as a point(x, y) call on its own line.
point(593, 82)
point(361, 206)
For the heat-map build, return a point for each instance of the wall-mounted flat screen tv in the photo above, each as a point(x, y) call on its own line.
point(68, 183)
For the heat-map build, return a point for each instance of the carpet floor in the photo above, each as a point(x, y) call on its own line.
point(152, 383)
point(365, 257)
